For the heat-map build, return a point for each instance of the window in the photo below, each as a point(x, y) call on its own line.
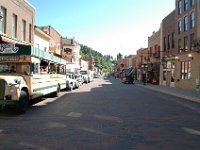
point(192, 2)
point(23, 30)
point(14, 26)
point(186, 23)
point(191, 41)
point(179, 7)
point(168, 41)
point(185, 5)
point(179, 45)
point(164, 42)
point(3, 20)
point(173, 40)
point(192, 20)
point(186, 70)
point(185, 43)
point(30, 33)
point(179, 26)
point(150, 52)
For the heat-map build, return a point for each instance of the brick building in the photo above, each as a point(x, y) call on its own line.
point(70, 50)
point(168, 51)
point(154, 57)
point(55, 42)
point(142, 59)
point(187, 28)
point(16, 21)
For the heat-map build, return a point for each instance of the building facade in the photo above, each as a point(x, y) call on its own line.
point(17, 19)
point(70, 50)
point(154, 57)
point(142, 60)
point(168, 51)
point(55, 42)
point(187, 28)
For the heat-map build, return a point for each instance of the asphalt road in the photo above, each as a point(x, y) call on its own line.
point(104, 115)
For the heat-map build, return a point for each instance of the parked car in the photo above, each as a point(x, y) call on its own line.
point(71, 82)
point(79, 79)
point(85, 76)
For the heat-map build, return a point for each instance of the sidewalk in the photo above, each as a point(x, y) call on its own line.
point(182, 93)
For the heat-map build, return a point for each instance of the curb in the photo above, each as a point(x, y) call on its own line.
point(190, 98)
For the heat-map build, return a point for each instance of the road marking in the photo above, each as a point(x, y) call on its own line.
point(31, 146)
point(191, 131)
point(93, 131)
point(108, 118)
point(74, 114)
point(55, 125)
point(1, 132)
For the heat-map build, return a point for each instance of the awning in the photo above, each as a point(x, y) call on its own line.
point(5, 39)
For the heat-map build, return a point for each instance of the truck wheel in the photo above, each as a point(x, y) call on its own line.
point(55, 94)
point(70, 87)
point(23, 102)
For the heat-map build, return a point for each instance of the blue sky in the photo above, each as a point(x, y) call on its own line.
point(107, 26)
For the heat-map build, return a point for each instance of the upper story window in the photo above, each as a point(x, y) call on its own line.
point(14, 26)
point(185, 5)
point(191, 41)
point(2, 20)
point(192, 2)
point(173, 40)
point(179, 26)
point(192, 19)
point(186, 23)
point(179, 45)
point(179, 7)
point(164, 43)
point(30, 33)
point(23, 30)
point(168, 41)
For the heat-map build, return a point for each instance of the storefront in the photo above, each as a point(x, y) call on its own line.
point(188, 70)
point(168, 71)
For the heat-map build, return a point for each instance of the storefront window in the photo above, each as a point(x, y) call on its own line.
point(186, 70)
point(173, 65)
point(189, 69)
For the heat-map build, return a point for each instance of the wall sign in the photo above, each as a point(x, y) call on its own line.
point(6, 48)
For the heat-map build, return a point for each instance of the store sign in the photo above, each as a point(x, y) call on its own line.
point(6, 48)
point(9, 58)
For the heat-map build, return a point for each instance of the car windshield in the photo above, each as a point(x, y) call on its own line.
point(83, 72)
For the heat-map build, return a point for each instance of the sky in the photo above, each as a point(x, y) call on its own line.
point(107, 26)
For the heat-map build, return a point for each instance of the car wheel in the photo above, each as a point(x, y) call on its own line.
point(23, 102)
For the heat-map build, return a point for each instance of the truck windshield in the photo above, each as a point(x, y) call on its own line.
point(83, 72)
point(14, 68)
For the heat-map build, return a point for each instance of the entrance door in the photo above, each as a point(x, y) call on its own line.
point(168, 78)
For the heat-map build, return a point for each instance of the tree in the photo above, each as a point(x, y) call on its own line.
point(101, 62)
point(119, 56)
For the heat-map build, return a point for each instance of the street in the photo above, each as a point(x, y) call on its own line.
point(104, 115)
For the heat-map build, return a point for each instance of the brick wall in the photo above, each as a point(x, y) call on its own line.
point(24, 11)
